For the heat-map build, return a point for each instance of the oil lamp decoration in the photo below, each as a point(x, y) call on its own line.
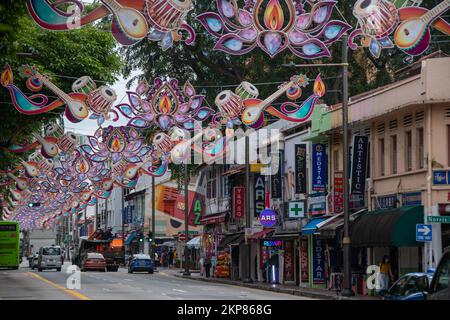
point(274, 26)
point(164, 105)
point(132, 20)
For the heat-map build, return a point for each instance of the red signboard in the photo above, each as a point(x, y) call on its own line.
point(304, 260)
point(238, 202)
point(338, 195)
point(289, 265)
point(182, 237)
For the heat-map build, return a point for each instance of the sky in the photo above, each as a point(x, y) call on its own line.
point(87, 126)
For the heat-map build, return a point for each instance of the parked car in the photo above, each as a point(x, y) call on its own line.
point(440, 285)
point(93, 261)
point(411, 286)
point(33, 260)
point(49, 258)
point(140, 262)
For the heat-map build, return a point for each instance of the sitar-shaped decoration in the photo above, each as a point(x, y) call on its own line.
point(75, 103)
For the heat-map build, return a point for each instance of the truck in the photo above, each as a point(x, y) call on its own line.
point(40, 238)
point(110, 249)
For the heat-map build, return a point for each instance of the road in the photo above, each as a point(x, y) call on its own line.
point(27, 284)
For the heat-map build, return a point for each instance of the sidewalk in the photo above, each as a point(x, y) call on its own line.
point(322, 294)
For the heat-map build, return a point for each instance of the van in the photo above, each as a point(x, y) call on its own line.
point(440, 285)
point(49, 258)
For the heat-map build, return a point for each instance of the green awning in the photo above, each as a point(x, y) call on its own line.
point(387, 228)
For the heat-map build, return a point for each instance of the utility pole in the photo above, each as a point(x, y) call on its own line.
point(123, 225)
point(186, 218)
point(153, 216)
point(106, 214)
point(248, 220)
point(347, 290)
point(85, 222)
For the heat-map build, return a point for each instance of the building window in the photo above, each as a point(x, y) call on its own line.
point(382, 156)
point(211, 187)
point(421, 148)
point(409, 153)
point(394, 154)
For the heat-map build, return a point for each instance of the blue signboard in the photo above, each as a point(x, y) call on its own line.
point(412, 199)
point(424, 232)
point(440, 177)
point(319, 167)
point(128, 215)
point(318, 261)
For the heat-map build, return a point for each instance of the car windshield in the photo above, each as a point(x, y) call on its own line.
point(409, 285)
point(50, 251)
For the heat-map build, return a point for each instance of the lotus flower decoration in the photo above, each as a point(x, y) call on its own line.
point(164, 105)
point(274, 26)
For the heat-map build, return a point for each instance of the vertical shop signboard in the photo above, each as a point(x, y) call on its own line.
point(300, 168)
point(275, 180)
point(338, 194)
point(304, 260)
point(318, 261)
point(319, 167)
point(260, 195)
point(238, 205)
point(359, 164)
point(289, 266)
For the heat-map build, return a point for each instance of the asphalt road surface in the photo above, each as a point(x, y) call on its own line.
point(27, 284)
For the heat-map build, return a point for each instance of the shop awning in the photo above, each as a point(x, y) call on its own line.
point(228, 239)
point(330, 227)
point(311, 227)
point(213, 218)
point(261, 234)
point(194, 243)
point(286, 235)
point(234, 170)
point(240, 239)
point(387, 228)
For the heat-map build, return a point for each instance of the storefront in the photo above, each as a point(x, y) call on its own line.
point(213, 233)
point(389, 232)
point(316, 258)
point(228, 252)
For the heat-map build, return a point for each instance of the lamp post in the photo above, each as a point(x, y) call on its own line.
point(248, 222)
point(153, 218)
point(123, 226)
point(347, 290)
point(186, 220)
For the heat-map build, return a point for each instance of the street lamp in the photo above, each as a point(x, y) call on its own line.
point(186, 220)
point(347, 290)
point(248, 278)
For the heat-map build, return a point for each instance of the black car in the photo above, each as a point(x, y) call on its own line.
point(440, 285)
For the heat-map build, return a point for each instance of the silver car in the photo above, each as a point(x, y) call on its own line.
point(49, 258)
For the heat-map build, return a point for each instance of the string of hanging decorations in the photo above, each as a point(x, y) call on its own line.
point(65, 176)
point(304, 27)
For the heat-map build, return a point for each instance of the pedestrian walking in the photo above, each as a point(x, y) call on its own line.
point(207, 264)
point(170, 258)
point(213, 265)
point(385, 275)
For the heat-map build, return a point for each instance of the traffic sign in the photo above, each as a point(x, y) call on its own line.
point(438, 219)
point(424, 232)
point(182, 237)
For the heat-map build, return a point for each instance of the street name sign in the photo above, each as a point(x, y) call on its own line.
point(424, 232)
point(438, 219)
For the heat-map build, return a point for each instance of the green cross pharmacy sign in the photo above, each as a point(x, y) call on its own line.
point(297, 209)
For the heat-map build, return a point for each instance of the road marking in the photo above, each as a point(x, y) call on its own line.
point(127, 279)
point(105, 289)
point(74, 293)
point(178, 290)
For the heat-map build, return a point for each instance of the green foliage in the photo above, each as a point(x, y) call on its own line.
point(71, 54)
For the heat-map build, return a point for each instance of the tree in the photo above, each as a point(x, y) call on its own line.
point(65, 56)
